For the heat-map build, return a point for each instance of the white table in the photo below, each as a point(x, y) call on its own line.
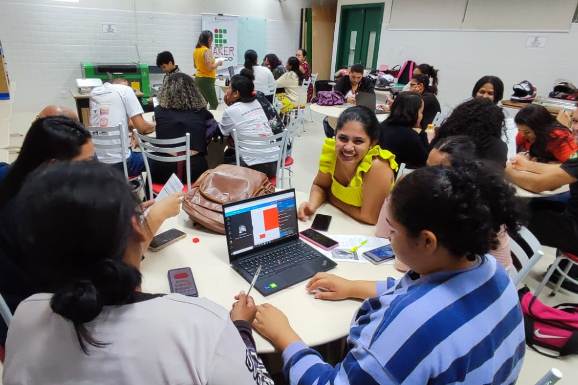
point(335, 111)
point(316, 321)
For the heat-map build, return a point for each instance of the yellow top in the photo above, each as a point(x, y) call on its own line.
point(351, 194)
point(199, 59)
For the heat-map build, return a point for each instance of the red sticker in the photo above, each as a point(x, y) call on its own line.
point(196, 240)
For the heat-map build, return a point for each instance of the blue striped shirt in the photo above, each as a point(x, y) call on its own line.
point(460, 327)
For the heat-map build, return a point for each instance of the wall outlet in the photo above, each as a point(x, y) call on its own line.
point(535, 41)
point(109, 28)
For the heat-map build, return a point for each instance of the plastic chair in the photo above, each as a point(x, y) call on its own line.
point(173, 151)
point(560, 256)
point(249, 145)
point(5, 311)
point(525, 261)
point(553, 376)
point(292, 128)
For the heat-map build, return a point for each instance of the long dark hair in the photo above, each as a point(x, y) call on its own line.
point(364, 116)
point(243, 84)
point(539, 119)
point(204, 38)
point(293, 64)
point(464, 206)
point(75, 223)
point(250, 59)
point(432, 74)
point(495, 81)
point(405, 110)
point(52, 138)
point(273, 60)
point(458, 147)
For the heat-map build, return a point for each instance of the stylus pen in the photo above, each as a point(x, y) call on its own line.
point(254, 280)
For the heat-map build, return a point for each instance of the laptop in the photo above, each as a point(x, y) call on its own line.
point(366, 99)
point(264, 231)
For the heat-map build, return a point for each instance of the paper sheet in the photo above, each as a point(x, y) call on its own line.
point(173, 185)
point(348, 242)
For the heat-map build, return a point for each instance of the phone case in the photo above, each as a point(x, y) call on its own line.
point(181, 281)
point(318, 244)
point(162, 246)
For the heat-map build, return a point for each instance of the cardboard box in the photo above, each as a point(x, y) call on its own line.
point(4, 83)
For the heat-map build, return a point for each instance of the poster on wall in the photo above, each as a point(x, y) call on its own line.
point(224, 30)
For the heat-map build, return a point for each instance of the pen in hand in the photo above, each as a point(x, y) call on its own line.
point(254, 280)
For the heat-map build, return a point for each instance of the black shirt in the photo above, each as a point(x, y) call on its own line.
point(431, 107)
point(343, 85)
point(493, 149)
point(174, 123)
point(571, 167)
point(405, 143)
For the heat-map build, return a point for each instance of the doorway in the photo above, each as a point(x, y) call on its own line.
point(359, 32)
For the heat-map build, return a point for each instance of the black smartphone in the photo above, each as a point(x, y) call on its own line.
point(165, 238)
point(181, 281)
point(321, 222)
point(319, 239)
point(380, 254)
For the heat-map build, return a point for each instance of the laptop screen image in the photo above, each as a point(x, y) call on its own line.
point(258, 222)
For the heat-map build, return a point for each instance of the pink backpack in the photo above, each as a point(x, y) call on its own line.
point(406, 72)
point(554, 328)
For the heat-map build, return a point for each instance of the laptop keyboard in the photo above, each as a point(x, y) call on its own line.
point(278, 259)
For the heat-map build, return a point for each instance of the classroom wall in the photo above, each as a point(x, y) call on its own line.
point(323, 28)
point(465, 56)
point(45, 41)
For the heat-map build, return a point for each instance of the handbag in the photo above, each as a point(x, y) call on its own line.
point(223, 184)
point(329, 98)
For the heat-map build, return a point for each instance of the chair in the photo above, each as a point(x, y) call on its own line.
point(302, 102)
point(5, 311)
point(178, 151)
point(403, 171)
point(313, 81)
point(553, 376)
point(292, 128)
point(247, 145)
point(560, 256)
point(525, 261)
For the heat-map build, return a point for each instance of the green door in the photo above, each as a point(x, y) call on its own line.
point(360, 28)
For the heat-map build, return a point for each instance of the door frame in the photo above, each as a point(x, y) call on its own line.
point(342, 26)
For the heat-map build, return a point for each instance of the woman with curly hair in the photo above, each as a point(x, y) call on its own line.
point(272, 62)
point(442, 321)
point(182, 109)
point(483, 121)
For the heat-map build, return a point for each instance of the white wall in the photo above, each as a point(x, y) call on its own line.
point(464, 56)
point(45, 41)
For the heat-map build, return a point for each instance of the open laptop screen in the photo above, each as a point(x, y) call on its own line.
point(257, 222)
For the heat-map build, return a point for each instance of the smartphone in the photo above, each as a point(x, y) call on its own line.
point(319, 239)
point(321, 222)
point(165, 238)
point(181, 281)
point(380, 254)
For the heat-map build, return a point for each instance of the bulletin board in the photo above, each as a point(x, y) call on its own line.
point(252, 34)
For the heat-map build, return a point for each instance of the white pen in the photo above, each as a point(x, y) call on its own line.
point(254, 280)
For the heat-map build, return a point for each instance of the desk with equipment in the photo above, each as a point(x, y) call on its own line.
point(317, 322)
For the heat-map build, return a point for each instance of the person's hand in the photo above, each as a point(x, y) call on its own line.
point(168, 207)
point(305, 211)
point(243, 309)
point(145, 205)
point(330, 287)
point(351, 100)
point(520, 162)
point(273, 325)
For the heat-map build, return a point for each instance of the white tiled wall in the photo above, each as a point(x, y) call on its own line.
point(45, 41)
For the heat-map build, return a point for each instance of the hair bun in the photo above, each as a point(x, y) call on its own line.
point(79, 302)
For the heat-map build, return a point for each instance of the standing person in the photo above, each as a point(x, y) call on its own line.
point(92, 313)
point(490, 87)
point(431, 72)
point(301, 55)
point(115, 103)
point(264, 80)
point(206, 67)
point(353, 83)
point(166, 62)
point(542, 137)
point(453, 318)
point(275, 65)
point(431, 105)
point(181, 110)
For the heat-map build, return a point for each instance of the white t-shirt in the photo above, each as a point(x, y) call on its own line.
point(248, 119)
point(264, 80)
point(169, 340)
point(110, 105)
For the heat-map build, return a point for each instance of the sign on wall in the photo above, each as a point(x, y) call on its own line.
point(224, 30)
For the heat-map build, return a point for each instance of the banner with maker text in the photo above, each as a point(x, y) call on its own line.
point(224, 30)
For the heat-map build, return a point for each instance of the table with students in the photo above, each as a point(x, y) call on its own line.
point(317, 322)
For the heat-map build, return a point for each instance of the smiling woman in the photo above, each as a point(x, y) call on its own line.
point(355, 174)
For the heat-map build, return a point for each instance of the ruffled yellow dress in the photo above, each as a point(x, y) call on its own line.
point(352, 194)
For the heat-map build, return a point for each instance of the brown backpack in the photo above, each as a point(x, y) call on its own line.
point(223, 184)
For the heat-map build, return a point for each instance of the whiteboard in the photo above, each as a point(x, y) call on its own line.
point(427, 14)
point(520, 15)
point(252, 34)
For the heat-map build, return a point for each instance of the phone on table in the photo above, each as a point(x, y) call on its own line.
point(319, 239)
point(162, 240)
point(181, 281)
point(380, 254)
point(321, 222)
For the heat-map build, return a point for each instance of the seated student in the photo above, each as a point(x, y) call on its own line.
point(483, 121)
point(431, 106)
point(291, 82)
point(264, 80)
point(272, 62)
point(432, 74)
point(574, 126)
point(92, 314)
point(305, 69)
point(399, 132)
point(454, 318)
point(355, 82)
point(542, 137)
point(246, 115)
point(115, 103)
point(489, 87)
point(166, 62)
point(355, 174)
point(181, 110)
